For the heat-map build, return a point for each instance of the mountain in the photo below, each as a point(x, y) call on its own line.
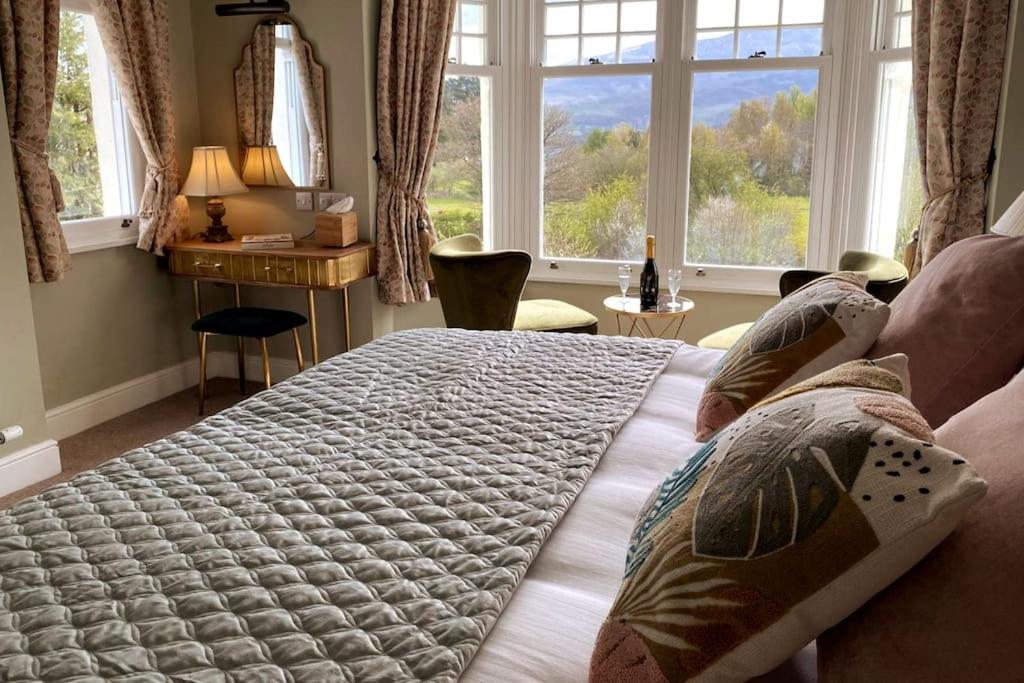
point(606, 101)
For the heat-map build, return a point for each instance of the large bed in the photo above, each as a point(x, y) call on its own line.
point(437, 505)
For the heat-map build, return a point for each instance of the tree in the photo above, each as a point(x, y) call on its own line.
point(72, 138)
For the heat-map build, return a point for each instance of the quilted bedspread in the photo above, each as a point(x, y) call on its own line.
point(365, 520)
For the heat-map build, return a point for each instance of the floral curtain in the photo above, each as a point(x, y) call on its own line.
point(312, 87)
point(135, 35)
point(254, 89)
point(29, 34)
point(958, 51)
point(411, 59)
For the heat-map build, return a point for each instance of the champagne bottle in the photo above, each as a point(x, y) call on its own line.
point(649, 279)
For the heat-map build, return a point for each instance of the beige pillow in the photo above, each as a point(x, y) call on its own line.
point(781, 526)
point(824, 323)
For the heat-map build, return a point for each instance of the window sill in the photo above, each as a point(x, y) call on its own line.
point(99, 233)
point(688, 285)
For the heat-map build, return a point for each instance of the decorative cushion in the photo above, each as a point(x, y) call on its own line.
point(961, 321)
point(824, 323)
point(955, 616)
point(725, 339)
point(549, 315)
point(777, 529)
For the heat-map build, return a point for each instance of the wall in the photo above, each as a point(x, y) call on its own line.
point(335, 29)
point(21, 393)
point(118, 315)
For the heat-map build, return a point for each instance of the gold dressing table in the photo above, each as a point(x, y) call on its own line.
point(308, 265)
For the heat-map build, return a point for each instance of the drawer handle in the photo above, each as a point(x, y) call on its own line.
point(215, 266)
point(287, 269)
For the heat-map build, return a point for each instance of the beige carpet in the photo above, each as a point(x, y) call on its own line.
point(94, 446)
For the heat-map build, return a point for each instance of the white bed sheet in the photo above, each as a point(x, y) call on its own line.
point(547, 631)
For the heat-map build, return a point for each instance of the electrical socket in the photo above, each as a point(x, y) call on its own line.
point(325, 199)
point(304, 201)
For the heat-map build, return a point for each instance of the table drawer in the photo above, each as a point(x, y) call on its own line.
point(274, 269)
point(200, 264)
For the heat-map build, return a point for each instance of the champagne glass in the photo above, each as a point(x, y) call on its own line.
point(675, 278)
point(625, 273)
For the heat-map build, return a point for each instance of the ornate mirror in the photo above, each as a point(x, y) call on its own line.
point(281, 108)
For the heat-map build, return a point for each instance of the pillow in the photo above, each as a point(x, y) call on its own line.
point(824, 323)
point(777, 529)
point(961, 321)
point(955, 616)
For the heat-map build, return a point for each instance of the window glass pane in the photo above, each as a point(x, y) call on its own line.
point(561, 20)
point(714, 44)
point(759, 12)
point(896, 196)
point(602, 17)
point(596, 154)
point(803, 11)
point(640, 16)
point(759, 42)
point(716, 13)
point(903, 31)
point(472, 18)
point(456, 195)
point(801, 42)
point(473, 51)
point(288, 120)
point(561, 51)
point(638, 48)
point(86, 140)
point(752, 145)
point(601, 48)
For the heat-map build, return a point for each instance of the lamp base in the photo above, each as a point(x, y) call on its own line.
point(216, 231)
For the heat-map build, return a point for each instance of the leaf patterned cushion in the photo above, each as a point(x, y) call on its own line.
point(781, 526)
point(824, 323)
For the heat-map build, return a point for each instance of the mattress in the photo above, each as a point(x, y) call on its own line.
point(547, 631)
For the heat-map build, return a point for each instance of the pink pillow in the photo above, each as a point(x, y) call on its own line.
point(956, 615)
point(961, 322)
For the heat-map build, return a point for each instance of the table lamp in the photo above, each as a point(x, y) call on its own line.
point(213, 177)
point(263, 167)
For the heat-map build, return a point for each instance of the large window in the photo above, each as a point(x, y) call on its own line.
point(460, 190)
point(92, 148)
point(747, 136)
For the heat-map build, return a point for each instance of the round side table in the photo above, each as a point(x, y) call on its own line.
point(637, 320)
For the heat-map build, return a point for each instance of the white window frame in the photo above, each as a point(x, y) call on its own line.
point(848, 87)
point(104, 232)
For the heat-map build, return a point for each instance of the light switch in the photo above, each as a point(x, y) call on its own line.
point(304, 201)
point(325, 199)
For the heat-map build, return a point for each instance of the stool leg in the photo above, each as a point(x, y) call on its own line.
point(266, 362)
point(241, 365)
point(202, 372)
point(298, 349)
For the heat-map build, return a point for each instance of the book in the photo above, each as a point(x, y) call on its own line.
point(274, 241)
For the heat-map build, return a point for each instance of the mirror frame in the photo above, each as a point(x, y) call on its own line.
point(319, 73)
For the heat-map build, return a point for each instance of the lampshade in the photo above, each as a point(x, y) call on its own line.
point(212, 174)
point(263, 167)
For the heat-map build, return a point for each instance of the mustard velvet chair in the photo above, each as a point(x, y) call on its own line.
point(481, 290)
point(887, 278)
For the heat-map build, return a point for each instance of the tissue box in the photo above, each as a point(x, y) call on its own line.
point(336, 229)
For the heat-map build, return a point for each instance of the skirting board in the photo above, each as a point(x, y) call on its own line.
point(89, 411)
point(29, 466)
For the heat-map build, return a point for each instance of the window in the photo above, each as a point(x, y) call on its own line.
point(596, 88)
point(92, 149)
point(747, 136)
point(896, 192)
point(460, 191)
point(288, 121)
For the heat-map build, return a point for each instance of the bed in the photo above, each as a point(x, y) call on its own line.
point(397, 513)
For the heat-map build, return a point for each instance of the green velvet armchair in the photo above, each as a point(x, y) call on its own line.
point(887, 278)
point(481, 290)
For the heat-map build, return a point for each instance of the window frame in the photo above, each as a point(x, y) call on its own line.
point(848, 68)
point(115, 230)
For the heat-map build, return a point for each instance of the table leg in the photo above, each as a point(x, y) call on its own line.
point(348, 328)
point(241, 347)
point(313, 341)
point(618, 323)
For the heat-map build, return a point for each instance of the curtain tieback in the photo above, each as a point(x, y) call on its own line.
point(956, 186)
point(421, 202)
point(39, 151)
point(154, 170)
